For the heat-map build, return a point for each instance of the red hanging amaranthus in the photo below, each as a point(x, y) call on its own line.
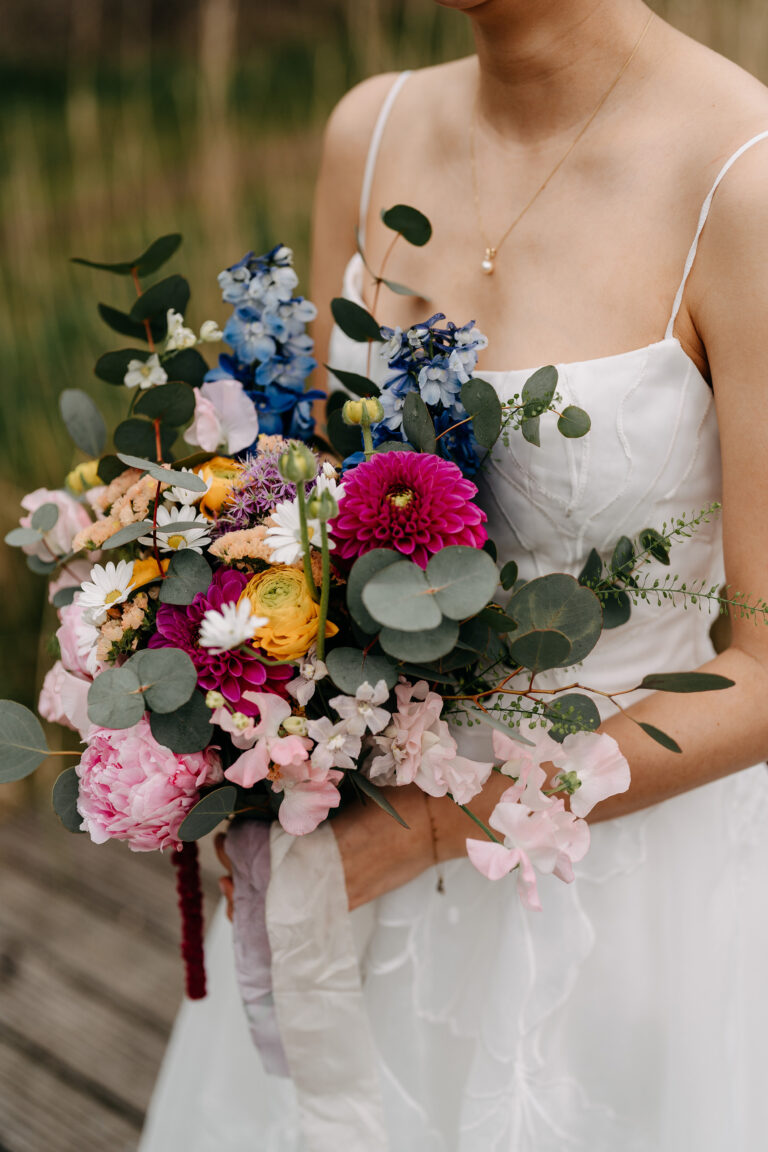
point(190, 895)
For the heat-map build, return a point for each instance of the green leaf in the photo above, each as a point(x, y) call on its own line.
point(208, 813)
point(354, 321)
point(592, 570)
point(395, 446)
point(64, 799)
point(400, 597)
point(531, 431)
point(41, 567)
point(23, 745)
point(483, 405)
point(499, 725)
point(496, 620)
point(188, 574)
point(136, 438)
point(365, 567)
point(375, 793)
point(44, 518)
point(572, 713)
point(508, 577)
point(490, 547)
point(173, 403)
point(336, 400)
point(65, 596)
point(112, 366)
point(115, 699)
point(173, 292)
point(22, 537)
point(426, 644)
point(556, 603)
point(538, 391)
point(417, 423)
point(660, 737)
point(186, 730)
point(623, 556)
point(349, 668)
point(540, 649)
point(401, 289)
point(655, 543)
point(573, 423)
point(83, 421)
point(167, 677)
point(462, 580)
point(110, 467)
point(127, 535)
point(353, 382)
point(617, 608)
point(686, 682)
point(412, 225)
point(345, 438)
point(425, 672)
point(122, 323)
point(186, 365)
point(186, 480)
point(155, 256)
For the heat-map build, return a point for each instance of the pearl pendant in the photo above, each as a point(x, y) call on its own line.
point(488, 265)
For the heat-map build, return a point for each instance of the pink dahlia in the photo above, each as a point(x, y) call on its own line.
point(411, 501)
point(134, 789)
point(233, 673)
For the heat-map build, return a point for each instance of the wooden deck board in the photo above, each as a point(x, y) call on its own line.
point(90, 980)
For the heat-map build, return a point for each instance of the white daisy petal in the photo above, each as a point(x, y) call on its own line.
point(174, 539)
point(109, 585)
point(229, 627)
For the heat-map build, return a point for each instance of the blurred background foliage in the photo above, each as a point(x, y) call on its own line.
point(124, 119)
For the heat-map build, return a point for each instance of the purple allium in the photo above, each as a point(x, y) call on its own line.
point(411, 501)
point(231, 673)
point(256, 491)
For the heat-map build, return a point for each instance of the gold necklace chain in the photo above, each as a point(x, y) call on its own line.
point(491, 251)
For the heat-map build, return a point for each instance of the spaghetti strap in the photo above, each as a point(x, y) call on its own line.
point(373, 151)
point(702, 221)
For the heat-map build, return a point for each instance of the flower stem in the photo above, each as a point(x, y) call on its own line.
point(479, 822)
point(325, 588)
point(365, 424)
point(301, 500)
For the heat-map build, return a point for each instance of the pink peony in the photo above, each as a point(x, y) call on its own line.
point(134, 789)
point(64, 700)
point(72, 518)
point(417, 748)
point(413, 502)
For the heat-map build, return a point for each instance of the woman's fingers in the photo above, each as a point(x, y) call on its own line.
point(221, 852)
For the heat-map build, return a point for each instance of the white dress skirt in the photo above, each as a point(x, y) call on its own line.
point(631, 1014)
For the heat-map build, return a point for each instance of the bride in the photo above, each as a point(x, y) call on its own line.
point(564, 168)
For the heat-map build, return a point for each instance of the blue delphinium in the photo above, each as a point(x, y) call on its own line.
point(271, 351)
point(434, 362)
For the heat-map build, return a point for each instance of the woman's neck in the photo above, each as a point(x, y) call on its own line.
point(544, 64)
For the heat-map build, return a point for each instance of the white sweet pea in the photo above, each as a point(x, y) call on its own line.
point(145, 373)
point(229, 627)
point(178, 336)
point(224, 417)
point(335, 745)
point(361, 711)
point(210, 333)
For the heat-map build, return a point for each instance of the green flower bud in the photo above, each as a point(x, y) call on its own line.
point(295, 726)
point(297, 463)
point(567, 782)
point(352, 412)
point(240, 721)
point(322, 505)
point(214, 700)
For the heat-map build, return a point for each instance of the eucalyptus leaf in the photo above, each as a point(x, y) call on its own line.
point(412, 225)
point(462, 580)
point(686, 682)
point(425, 672)
point(557, 603)
point(115, 699)
point(375, 793)
point(188, 573)
point(64, 799)
point(186, 365)
point(572, 712)
point(187, 480)
point(173, 292)
point(122, 323)
point(417, 423)
point(508, 577)
point(45, 517)
point(41, 567)
point(400, 597)
point(660, 737)
point(617, 608)
point(427, 644)
point(395, 446)
point(655, 543)
point(65, 596)
point(482, 403)
point(173, 403)
point(345, 438)
point(538, 391)
point(401, 289)
point(496, 620)
point(354, 321)
point(112, 366)
point(167, 677)
point(127, 535)
point(83, 421)
point(540, 649)
point(531, 431)
point(592, 570)
point(573, 423)
point(136, 437)
point(153, 258)
point(623, 556)
point(208, 813)
point(353, 382)
point(186, 730)
point(336, 400)
point(490, 547)
point(363, 569)
point(350, 667)
point(22, 537)
point(110, 467)
point(494, 722)
point(23, 746)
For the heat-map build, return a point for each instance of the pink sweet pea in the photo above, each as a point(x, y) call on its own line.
point(254, 764)
point(308, 795)
point(598, 763)
point(523, 763)
point(64, 700)
point(224, 417)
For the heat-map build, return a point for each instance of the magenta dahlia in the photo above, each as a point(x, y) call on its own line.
point(231, 673)
point(410, 501)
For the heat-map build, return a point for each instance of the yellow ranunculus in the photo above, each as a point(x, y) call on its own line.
point(281, 594)
point(145, 571)
point(221, 473)
point(83, 477)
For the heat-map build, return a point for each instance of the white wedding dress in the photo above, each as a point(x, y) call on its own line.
point(631, 1015)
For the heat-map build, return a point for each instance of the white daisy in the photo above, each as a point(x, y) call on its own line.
point(176, 495)
point(284, 527)
point(109, 585)
point(145, 373)
point(230, 627)
point(195, 537)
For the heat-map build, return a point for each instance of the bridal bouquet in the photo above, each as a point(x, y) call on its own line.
point(248, 628)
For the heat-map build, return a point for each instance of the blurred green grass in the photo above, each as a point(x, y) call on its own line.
point(198, 132)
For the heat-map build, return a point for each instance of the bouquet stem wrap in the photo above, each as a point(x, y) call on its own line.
point(190, 896)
